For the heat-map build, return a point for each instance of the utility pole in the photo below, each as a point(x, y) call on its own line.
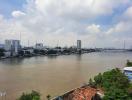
point(28, 43)
point(124, 44)
point(20, 39)
point(20, 36)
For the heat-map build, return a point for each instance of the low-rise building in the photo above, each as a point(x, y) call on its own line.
point(39, 46)
point(28, 50)
point(82, 93)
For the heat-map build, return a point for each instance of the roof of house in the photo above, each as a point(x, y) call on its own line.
point(127, 69)
point(83, 93)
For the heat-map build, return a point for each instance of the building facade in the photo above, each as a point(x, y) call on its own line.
point(78, 44)
point(39, 46)
point(12, 46)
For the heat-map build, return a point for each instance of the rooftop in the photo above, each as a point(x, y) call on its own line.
point(82, 93)
point(127, 68)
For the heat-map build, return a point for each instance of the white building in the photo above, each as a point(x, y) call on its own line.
point(12, 46)
point(39, 46)
point(78, 44)
point(29, 50)
point(128, 72)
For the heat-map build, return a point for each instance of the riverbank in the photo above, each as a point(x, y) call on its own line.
point(48, 54)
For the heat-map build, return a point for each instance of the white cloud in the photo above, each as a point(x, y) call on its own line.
point(128, 14)
point(78, 8)
point(17, 14)
point(124, 26)
point(50, 21)
point(93, 29)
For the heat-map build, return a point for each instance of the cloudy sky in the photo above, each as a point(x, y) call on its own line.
point(98, 23)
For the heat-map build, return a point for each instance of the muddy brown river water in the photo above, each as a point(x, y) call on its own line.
point(55, 75)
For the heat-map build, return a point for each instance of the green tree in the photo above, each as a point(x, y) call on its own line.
point(115, 78)
point(116, 94)
point(30, 96)
point(36, 51)
point(52, 51)
point(92, 83)
point(48, 97)
point(2, 52)
point(115, 84)
point(98, 79)
point(128, 64)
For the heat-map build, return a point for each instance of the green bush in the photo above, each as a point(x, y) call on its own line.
point(98, 79)
point(128, 64)
point(115, 78)
point(116, 94)
point(2, 52)
point(30, 96)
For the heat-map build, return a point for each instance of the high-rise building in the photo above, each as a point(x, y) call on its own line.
point(12, 46)
point(78, 44)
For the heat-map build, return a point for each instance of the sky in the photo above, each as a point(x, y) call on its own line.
point(98, 23)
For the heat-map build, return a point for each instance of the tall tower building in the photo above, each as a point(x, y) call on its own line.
point(78, 44)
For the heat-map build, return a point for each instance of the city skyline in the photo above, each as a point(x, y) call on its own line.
point(105, 23)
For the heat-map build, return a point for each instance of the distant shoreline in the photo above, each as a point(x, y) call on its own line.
point(36, 55)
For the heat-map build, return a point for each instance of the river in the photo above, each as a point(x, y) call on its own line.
point(55, 75)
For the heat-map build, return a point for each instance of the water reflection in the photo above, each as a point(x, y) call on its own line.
point(79, 57)
point(12, 61)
